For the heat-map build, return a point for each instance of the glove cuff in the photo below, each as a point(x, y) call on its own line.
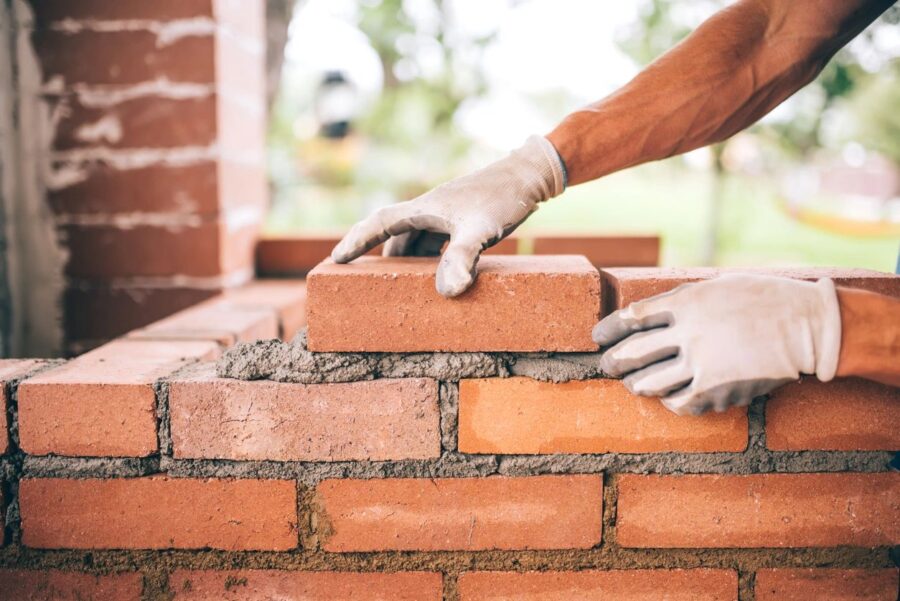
point(828, 339)
point(541, 153)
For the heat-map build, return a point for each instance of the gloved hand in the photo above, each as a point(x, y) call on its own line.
point(722, 342)
point(474, 211)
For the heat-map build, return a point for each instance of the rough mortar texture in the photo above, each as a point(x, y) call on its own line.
point(293, 362)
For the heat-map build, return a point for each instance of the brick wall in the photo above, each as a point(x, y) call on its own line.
point(137, 472)
point(149, 153)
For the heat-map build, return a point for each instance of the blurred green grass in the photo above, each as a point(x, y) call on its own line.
point(661, 198)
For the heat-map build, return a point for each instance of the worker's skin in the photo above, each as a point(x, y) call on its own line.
point(732, 70)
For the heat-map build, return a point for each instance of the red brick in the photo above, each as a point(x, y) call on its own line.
point(286, 297)
point(241, 130)
point(507, 246)
point(48, 11)
point(102, 403)
point(242, 184)
point(86, 57)
point(263, 585)
point(159, 513)
point(603, 251)
point(97, 312)
point(761, 510)
point(622, 585)
point(436, 514)
point(623, 286)
point(217, 320)
point(826, 585)
point(143, 122)
point(205, 250)
point(518, 304)
point(377, 420)
point(847, 414)
point(524, 416)
point(167, 189)
point(242, 69)
point(10, 369)
point(246, 18)
point(296, 256)
point(55, 585)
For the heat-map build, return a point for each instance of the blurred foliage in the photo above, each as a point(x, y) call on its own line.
point(876, 109)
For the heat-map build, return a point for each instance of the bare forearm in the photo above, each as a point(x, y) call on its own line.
point(735, 68)
point(870, 336)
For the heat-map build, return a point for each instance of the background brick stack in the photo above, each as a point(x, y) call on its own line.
point(186, 485)
point(157, 176)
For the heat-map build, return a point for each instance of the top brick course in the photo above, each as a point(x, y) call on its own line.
point(518, 303)
point(622, 286)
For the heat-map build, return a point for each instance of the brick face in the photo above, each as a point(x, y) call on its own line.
point(55, 585)
point(159, 513)
point(296, 255)
point(541, 512)
point(143, 122)
point(264, 585)
point(85, 57)
point(762, 510)
point(286, 297)
point(97, 312)
point(847, 414)
point(102, 403)
point(376, 420)
point(623, 286)
point(517, 304)
point(10, 369)
point(48, 11)
point(621, 585)
point(524, 416)
point(826, 585)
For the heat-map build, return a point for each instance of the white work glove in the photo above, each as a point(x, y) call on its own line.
point(474, 211)
point(722, 342)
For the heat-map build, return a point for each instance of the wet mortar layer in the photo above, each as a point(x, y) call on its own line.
point(292, 362)
point(156, 565)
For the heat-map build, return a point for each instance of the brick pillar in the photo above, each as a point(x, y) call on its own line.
point(155, 152)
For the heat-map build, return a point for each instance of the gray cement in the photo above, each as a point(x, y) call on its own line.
point(293, 362)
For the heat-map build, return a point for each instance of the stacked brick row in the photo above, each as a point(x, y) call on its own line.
point(156, 133)
point(150, 477)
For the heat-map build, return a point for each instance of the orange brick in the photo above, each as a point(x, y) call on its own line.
point(623, 286)
point(508, 246)
point(218, 320)
point(10, 369)
point(85, 57)
point(142, 122)
point(206, 250)
point(48, 11)
point(101, 188)
point(376, 420)
point(103, 403)
point(286, 297)
point(826, 585)
point(849, 414)
point(263, 585)
point(603, 251)
point(524, 416)
point(518, 304)
point(762, 510)
point(159, 513)
point(622, 585)
point(296, 255)
point(541, 512)
point(105, 312)
point(55, 585)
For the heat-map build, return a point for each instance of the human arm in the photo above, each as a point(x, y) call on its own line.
point(733, 69)
point(722, 342)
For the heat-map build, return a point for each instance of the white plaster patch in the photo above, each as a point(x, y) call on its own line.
point(107, 129)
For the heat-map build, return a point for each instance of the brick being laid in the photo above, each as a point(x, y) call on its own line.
point(518, 303)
